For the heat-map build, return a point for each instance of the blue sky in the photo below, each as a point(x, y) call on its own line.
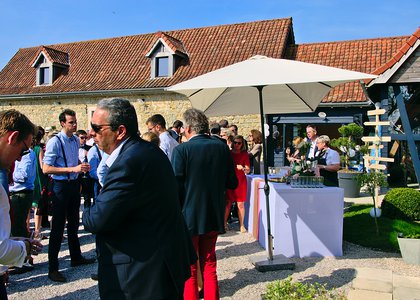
point(27, 23)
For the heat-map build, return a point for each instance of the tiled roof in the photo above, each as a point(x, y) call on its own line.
point(398, 55)
point(358, 55)
point(120, 63)
point(54, 56)
point(175, 44)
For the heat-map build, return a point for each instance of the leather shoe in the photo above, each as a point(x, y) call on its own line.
point(82, 261)
point(56, 276)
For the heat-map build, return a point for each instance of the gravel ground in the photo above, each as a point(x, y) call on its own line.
point(237, 277)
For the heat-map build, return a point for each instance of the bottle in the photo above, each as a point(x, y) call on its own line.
point(85, 161)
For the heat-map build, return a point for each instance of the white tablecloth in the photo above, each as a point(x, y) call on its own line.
point(304, 221)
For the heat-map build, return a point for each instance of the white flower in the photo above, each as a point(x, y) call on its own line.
point(357, 147)
point(352, 152)
point(308, 162)
point(343, 149)
point(298, 168)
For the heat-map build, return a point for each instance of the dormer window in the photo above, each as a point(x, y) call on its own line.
point(44, 76)
point(166, 56)
point(49, 64)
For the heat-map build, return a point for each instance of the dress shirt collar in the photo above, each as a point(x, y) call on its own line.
point(113, 156)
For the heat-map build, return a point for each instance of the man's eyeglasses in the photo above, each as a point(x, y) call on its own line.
point(25, 151)
point(96, 128)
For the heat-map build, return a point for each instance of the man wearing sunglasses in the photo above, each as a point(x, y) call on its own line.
point(16, 132)
point(62, 162)
point(143, 245)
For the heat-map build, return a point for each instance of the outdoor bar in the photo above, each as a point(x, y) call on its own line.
point(305, 222)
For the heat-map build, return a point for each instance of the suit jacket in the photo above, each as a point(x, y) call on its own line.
point(218, 138)
point(204, 169)
point(143, 245)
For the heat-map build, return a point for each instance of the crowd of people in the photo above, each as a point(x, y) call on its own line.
point(156, 213)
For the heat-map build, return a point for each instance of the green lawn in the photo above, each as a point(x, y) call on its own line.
point(359, 228)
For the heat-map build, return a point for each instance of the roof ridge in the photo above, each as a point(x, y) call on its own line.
point(153, 33)
point(357, 40)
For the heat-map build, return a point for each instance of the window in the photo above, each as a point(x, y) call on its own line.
point(162, 66)
point(44, 75)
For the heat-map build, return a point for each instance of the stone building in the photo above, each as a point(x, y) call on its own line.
point(43, 80)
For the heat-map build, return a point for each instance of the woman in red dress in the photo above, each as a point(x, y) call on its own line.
point(238, 195)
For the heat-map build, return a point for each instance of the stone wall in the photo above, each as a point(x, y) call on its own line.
point(45, 112)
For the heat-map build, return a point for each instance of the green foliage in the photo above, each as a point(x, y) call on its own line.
point(358, 228)
point(402, 203)
point(288, 290)
point(347, 142)
point(371, 181)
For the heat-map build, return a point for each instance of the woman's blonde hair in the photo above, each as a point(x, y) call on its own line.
point(297, 142)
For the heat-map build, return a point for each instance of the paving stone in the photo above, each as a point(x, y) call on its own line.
point(406, 281)
point(376, 274)
point(372, 285)
point(371, 295)
point(406, 293)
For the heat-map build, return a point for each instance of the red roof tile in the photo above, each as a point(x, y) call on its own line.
point(358, 55)
point(120, 63)
point(54, 56)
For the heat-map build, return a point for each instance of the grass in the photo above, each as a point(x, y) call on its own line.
point(359, 228)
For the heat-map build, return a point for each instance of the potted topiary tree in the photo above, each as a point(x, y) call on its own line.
point(346, 144)
point(373, 181)
point(404, 203)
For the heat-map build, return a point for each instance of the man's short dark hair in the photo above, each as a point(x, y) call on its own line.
point(177, 124)
point(121, 112)
point(157, 119)
point(215, 128)
point(80, 131)
point(196, 120)
point(12, 120)
point(64, 113)
point(224, 123)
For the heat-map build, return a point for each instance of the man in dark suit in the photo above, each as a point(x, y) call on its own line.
point(143, 245)
point(215, 133)
point(204, 169)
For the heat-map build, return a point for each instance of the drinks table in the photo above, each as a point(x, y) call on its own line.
point(305, 222)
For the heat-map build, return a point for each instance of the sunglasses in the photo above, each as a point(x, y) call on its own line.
point(82, 137)
point(26, 151)
point(238, 143)
point(97, 128)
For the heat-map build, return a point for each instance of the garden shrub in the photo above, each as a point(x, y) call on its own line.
point(288, 290)
point(402, 203)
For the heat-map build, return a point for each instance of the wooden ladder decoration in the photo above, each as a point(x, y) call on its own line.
point(373, 162)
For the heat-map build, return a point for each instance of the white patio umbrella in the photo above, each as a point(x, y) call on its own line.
point(267, 86)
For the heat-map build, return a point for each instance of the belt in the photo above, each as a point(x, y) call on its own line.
point(22, 192)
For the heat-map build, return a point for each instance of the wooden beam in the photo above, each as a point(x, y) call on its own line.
point(376, 166)
point(376, 112)
point(374, 123)
point(378, 158)
point(376, 138)
point(376, 147)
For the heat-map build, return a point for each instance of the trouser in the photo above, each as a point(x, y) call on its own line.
point(66, 205)
point(21, 204)
point(3, 292)
point(205, 246)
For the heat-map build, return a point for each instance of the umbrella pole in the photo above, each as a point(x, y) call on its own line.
point(266, 186)
point(278, 262)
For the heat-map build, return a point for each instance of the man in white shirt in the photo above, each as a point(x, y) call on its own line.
point(16, 132)
point(157, 125)
point(311, 134)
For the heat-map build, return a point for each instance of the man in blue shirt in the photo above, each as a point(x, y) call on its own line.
point(62, 162)
point(21, 192)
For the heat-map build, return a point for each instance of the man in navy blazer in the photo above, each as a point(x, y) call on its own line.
point(204, 169)
point(144, 249)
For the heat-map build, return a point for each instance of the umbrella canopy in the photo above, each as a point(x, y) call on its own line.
point(290, 86)
point(264, 85)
